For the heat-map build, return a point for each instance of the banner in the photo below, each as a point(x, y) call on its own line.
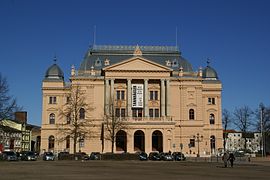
point(137, 95)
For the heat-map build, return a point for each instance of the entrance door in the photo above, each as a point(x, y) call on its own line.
point(157, 141)
point(139, 141)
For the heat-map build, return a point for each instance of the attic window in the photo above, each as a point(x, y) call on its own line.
point(98, 62)
point(174, 63)
point(107, 62)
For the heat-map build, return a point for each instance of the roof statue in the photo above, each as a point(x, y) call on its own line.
point(137, 51)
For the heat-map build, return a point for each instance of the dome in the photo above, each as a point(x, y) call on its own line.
point(210, 73)
point(54, 73)
point(183, 63)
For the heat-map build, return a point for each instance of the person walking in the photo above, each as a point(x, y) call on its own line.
point(231, 159)
point(225, 159)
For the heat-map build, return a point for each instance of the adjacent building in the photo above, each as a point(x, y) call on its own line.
point(164, 103)
point(16, 134)
point(235, 141)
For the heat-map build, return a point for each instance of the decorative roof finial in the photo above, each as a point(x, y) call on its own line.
point(208, 61)
point(54, 59)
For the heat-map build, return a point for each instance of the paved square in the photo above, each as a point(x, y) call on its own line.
point(101, 170)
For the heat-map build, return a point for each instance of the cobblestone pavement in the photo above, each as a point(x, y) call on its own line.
point(112, 170)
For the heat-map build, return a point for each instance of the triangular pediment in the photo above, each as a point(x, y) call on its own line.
point(137, 64)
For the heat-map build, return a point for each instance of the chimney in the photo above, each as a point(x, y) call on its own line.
point(21, 116)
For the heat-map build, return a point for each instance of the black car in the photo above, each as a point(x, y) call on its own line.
point(95, 156)
point(154, 156)
point(48, 156)
point(28, 156)
point(9, 156)
point(166, 156)
point(143, 156)
point(178, 156)
point(81, 156)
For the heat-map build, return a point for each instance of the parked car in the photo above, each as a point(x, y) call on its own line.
point(28, 156)
point(81, 156)
point(64, 156)
point(178, 156)
point(154, 156)
point(48, 156)
point(166, 156)
point(9, 156)
point(95, 156)
point(143, 156)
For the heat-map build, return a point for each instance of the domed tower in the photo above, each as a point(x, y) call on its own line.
point(209, 73)
point(54, 73)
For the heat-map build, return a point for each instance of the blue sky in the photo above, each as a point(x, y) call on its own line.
point(234, 34)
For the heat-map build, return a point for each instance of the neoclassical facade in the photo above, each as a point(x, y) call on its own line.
point(164, 104)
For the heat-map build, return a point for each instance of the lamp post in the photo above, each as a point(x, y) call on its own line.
point(198, 138)
point(262, 139)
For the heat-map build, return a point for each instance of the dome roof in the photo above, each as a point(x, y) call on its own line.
point(210, 73)
point(183, 63)
point(54, 73)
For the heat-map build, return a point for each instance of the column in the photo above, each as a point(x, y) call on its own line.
point(162, 99)
point(129, 113)
point(168, 105)
point(107, 96)
point(112, 92)
point(146, 110)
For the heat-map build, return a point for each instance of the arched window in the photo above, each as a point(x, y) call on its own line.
point(212, 119)
point(82, 113)
point(52, 118)
point(51, 142)
point(191, 114)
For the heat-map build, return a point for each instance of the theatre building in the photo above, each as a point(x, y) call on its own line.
point(164, 104)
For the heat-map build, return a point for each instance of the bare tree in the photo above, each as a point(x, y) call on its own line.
point(243, 121)
point(114, 121)
point(8, 104)
point(226, 121)
point(77, 125)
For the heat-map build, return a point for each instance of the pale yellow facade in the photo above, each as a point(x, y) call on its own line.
point(181, 111)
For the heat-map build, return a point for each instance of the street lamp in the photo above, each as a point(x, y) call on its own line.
point(262, 138)
point(198, 138)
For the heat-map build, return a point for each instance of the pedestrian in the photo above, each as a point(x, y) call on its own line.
point(225, 159)
point(231, 159)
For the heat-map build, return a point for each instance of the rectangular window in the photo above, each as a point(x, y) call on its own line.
point(120, 112)
point(117, 112)
point(211, 101)
point(52, 100)
point(156, 95)
point(120, 95)
point(192, 143)
point(153, 95)
point(137, 113)
point(156, 112)
point(123, 112)
point(123, 95)
point(151, 113)
point(134, 113)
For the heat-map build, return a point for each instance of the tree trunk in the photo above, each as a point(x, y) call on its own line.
point(74, 145)
point(113, 145)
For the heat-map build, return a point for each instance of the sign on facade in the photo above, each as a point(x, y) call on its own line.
point(137, 95)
